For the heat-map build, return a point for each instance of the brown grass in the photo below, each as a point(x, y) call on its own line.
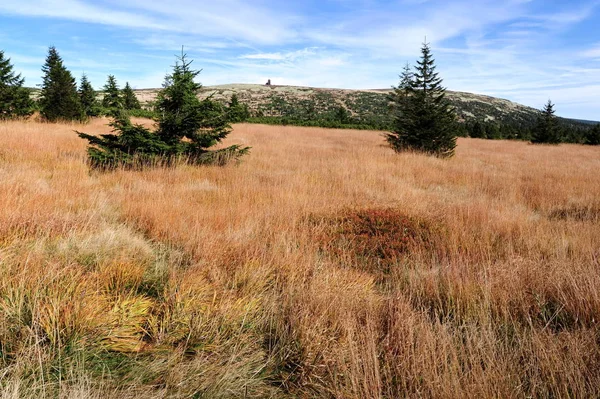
point(325, 265)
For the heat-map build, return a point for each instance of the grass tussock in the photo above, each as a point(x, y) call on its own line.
point(324, 265)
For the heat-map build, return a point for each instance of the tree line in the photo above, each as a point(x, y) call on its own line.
point(567, 131)
point(61, 100)
point(185, 127)
point(424, 120)
point(373, 113)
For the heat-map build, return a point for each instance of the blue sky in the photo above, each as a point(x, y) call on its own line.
point(523, 50)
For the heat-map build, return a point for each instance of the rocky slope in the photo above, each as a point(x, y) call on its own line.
point(294, 101)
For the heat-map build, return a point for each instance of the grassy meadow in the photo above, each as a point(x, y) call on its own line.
point(324, 265)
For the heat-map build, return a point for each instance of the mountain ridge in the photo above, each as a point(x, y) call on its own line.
point(371, 104)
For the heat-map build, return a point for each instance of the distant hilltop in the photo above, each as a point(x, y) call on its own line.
point(278, 101)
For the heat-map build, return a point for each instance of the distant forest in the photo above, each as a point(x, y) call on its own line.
point(372, 111)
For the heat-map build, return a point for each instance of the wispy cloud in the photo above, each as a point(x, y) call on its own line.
point(264, 56)
point(567, 17)
point(287, 56)
point(593, 52)
point(80, 11)
point(232, 18)
point(397, 33)
point(526, 50)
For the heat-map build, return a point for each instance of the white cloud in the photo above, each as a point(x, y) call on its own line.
point(264, 56)
point(230, 19)
point(287, 56)
point(174, 42)
point(80, 11)
point(568, 17)
point(593, 52)
point(25, 59)
point(394, 34)
point(498, 48)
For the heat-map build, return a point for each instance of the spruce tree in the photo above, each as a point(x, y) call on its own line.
point(425, 121)
point(112, 100)
point(492, 131)
point(236, 111)
point(592, 136)
point(400, 106)
point(189, 125)
point(15, 101)
point(478, 131)
point(186, 128)
point(87, 96)
point(59, 99)
point(235, 101)
point(342, 115)
point(401, 93)
point(130, 146)
point(130, 100)
point(547, 129)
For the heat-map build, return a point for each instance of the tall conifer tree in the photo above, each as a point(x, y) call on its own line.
point(15, 101)
point(425, 120)
point(400, 97)
point(236, 111)
point(404, 89)
point(87, 96)
point(112, 95)
point(189, 125)
point(547, 130)
point(130, 100)
point(59, 99)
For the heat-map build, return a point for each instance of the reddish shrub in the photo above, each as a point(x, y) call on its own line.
point(375, 239)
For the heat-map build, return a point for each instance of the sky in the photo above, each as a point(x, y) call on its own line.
point(526, 51)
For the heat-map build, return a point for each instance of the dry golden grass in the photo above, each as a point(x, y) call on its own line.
point(324, 265)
